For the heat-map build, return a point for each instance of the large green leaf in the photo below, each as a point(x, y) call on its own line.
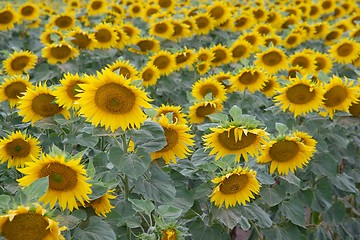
point(231, 217)
point(254, 212)
point(141, 205)
point(201, 231)
point(36, 189)
point(344, 182)
point(294, 211)
point(96, 229)
point(270, 196)
point(133, 164)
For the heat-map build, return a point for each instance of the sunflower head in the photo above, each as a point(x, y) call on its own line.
point(272, 60)
point(346, 51)
point(101, 205)
point(203, 87)
point(19, 62)
point(13, 88)
point(146, 45)
point(149, 75)
point(222, 55)
point(105, 36)
point(8, 18)
point(164, 61)
point(249, 78)
point(163, 29)
point(29, 11)
point(59, 52)
point(64, 21)
point(124, 68)
point(82, 39)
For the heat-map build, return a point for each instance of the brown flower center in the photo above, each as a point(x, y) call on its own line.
point(29, 226)
point(345, 49)
point(332, 35)
point(61, 177)
point(219, 56)
point(115, 98)
point(172, 137)
point(18, 148)
point(239, 51)
point(27, 10)
point(301, 61)
point(300, 94)
point(217, 12)
point(147, 75)
point(6, 17)
point(182, 57)
point(203, 111)
point(284, 151)
point(248, 78)
point(320, 63)
point(161, 28)
point(335, 96)
point(60, 52)
point(292, 39)
point(19, 63)
point(240, 22)
point(43, 105)
point(164, 3)
point(14, 90)
point(103, 35)
point(272, 58)
point(63, 22)
point(162, 62)
point(145, 45)
point(72, 89)
point(234, 184)
point(209, 88)
point(202, 22)
point(268, 86)
point(96, 5)
point(229, 141)
point(81, 40)
point(354, 109)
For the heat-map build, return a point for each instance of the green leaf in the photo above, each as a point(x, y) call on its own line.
point(134, 165)
point(115, 155)
point(98, 190)
point(254, 212)
point(231, 217)
point(335, 214)
point(36, 189)
point(96, 229)
point(200, 231)
point(150, 137)
point(235, 112)
point(140, 205)
point(151, 112)
point(90, 169)
point(344, 182)
point(87, 140)
point(292, 179)
point(167, 211)
point(270, 196)
point(4, 202)
point(123, 215)
point(294, 211)
point(218, 117)
point(281, 128)
point(323, 195)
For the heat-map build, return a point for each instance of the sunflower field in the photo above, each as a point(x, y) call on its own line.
point(179, 119)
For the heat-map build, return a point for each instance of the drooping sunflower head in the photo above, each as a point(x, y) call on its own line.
point(146, 45)
point(63, 21)
point(82, 39)
point(339, 95)
point(178, 141)
point(66, 92)
point(8, 18)
point(102, 205)
point(105, 36)
point(59, 52)
point(13, 88)
point(38, 103)
point(29, 11)
point(178, 116)
point(109, 100)
point(249, 78)
point(238, 140)
point(29, 223)
point(222, 55)
point(96, 7)
point(199, 111)
point(149, 75)
point(287, 153)
point(272, 60)
point(164, 61)
point(236, 187)
point(124, 68)
point(300, 96)
point(17, 149)
point(19, 62)
point(204, 87)
point(346, 51)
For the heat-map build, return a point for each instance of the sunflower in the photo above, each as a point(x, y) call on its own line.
point(203, 67)
point(259, 14)
point(146, 45)
point(38, 103)
point(17, 149)
point(19, 62)
point(29, 11)
point(332, 36)
point(323, 62)
point(50, 35)
point(8, 18)
point(190, 25)
point(315, 11)
point(67, 180)
point(224, 79)
point(64, 21)
point(233, 139)
point(59, 52)
point(149, 10)
point(271, 84)
point(305, 138)
point(149, 75)
point(131, 31)
point(346, 51)
point(320, 30)
point(124, 68)
point(203, 87)
point(163, 29)
point(135, 9)
point(167, 5)
point(65, 93)
point(304, 60)
point(354, 108)
point(96, 7)
point(200, 110)
point(29, 223)
point(344, 25)
point(82, 39)
point(178, 141)
point(185, 57)
point(240, 49)
point(327, 6)
point(109, 100)
point(300, 96)
point(205, 54)
point(248, 78)
point(178, 116)
point(219, 11)
point(238, 186)
point(164, 61)
point(169, 234)
point(286, 154)
point(204, 23)
point(339, 95)
point(102, 205)
point(264, 29)
point(105, 36)
point(254, 38)
point(292, 40)
point(222, 55)
point(272, 60)
point(13, 88)
point(272, 39)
